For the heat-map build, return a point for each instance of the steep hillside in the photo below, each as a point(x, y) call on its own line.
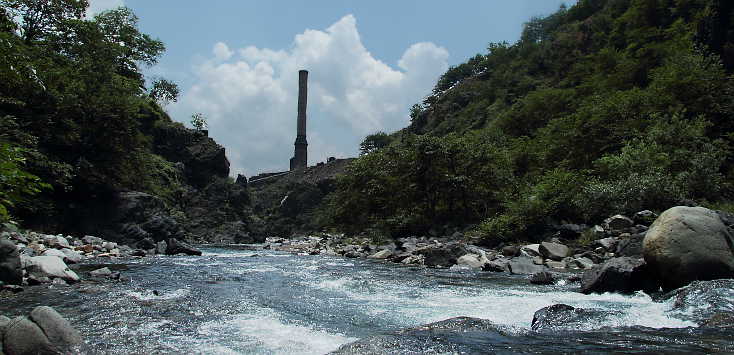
point(610, 106)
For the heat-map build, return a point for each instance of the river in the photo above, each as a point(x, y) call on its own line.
point(240, 301)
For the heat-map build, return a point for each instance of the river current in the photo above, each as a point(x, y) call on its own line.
point(241, 301)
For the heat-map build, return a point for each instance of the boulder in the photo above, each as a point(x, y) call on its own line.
point(531, 250)
point(510, 251)
point(553, 251)
point(701, 301)
point(524, 266)
point(686, 244)
point(57, 241)
point(583, 263)
point(444, 255)
point(609, 244)
point(175, 246)
point(71, 257)
point(645, 217)
point(542, 278)
point(618, 223)
point(555, 264)
point(109, 246)
point(52, 267)
point(103, 272)
point(497, 265)
point(624, 275)
point(10, 267)
point(58, 331)
point(23, 336)
point(145, 244)
point(471, 261)
point(54, 252)
point(630, 245)
point(564, 317)
point(382, 254)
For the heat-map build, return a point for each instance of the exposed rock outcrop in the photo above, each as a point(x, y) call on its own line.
point(624, 275)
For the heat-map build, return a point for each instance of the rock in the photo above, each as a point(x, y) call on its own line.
point(22, 336)
point(38, 279)
point(624, 275)
point(553, 251)
point(630, 246)
point(471, 261)
point(11, 288)
point(176, 246)
point(510, 251)
point(139, 252)
point(584, 263)
point(51, 266)
point(4, 321)
point(555, 264)
point(701, 301)
point(57, 242)
point(542, 278)
point(498, 265)
point(10, 267)
point(570, 231)
point(531, 250)
point(442, 256)
point(524, 266)
point(560, 317)
point(103, 272)
point(609, 244)
point(161, 247)
point(538, 260)
point(413, 259)
point(109, 246)
point(71, 257)
point(382, 254)
point(645, 217)
point(58, 331)
point(687, 244)
point(88, 239)
point(54, 252)
point(618, 223)
point(598, 231)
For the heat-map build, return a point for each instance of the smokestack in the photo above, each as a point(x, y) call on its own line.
point(300, 155)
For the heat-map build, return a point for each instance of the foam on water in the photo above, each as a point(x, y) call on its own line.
point(149, 296)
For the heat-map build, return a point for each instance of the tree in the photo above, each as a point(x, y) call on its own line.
point(41, 18)
point(199, 121)
point(374, 142)
point(164, 91)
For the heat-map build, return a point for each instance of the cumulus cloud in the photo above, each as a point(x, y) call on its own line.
point(97, 6)
point(249, 95)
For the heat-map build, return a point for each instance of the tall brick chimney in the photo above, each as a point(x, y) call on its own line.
point(300, 156)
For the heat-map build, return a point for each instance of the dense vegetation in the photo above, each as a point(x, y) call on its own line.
point(609, 106)
point(79, 123)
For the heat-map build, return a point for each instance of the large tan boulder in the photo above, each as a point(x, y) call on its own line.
point(687, 244)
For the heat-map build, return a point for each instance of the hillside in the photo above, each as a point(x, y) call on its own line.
point(85, 144)
point(609, 106)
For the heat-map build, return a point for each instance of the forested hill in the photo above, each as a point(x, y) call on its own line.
point(85, 146)
point(609, 106)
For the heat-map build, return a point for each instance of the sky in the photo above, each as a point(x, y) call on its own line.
point(369, 61)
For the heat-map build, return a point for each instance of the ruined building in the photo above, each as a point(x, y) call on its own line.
point(300, 155)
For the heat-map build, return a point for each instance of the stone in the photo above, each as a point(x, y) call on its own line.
point(11, 288)
point(630, 246)
point(54, 252)
point(37, 279)
point(382, 254)
point(609, 244)
point(4, 321)
point(72, 257)
point(145, 244)
point(57, 242)
point(598, 231)
point(10, 266)
point(553, 251)
point(103, 272)
point(645, 217)
point(442, 255)
point(560, 317)
point(584, 263)
point(701, 301)
point(138, 252)
point(542, 278)
point(524, 266)
point(555, 264)
point(686, 244)
point(175, 246)
point(88, 239)
point(618, 223)
point(51, 266)
point(531, 250)
point(58, 330)
point(538, 260)
point(623, 275)
point(497, 265)
point(109, 246)
point(471, 261)
point(413, 259)
point(510, 251)
point(161, 247)
point(23, 336)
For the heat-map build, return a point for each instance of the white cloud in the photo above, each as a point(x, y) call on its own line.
point(97, 6)
point(250, 95)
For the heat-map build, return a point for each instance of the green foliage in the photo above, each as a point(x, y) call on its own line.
point(16, 184)
point(609, 106)
point(164, 91)
point(198, 121)
point(374, 142)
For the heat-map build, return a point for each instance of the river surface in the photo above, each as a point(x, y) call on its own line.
point(238, 301)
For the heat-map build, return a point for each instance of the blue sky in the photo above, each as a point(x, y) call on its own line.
point(236, 62)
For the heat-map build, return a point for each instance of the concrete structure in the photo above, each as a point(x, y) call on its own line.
point(300, 155)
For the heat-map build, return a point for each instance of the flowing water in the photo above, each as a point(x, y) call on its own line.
point(237, 301)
